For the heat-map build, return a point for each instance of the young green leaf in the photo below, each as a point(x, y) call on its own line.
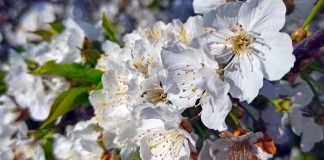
point(47, 146)
point(3, 86)
point(57, 26)
point(90, 53)
point(108, 27)
point(44, 34)
point(67, 101)
point(72, 71)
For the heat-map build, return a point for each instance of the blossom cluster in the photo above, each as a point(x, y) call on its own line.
point(218, 86)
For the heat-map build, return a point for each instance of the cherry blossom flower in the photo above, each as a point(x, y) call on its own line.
point(9, 126)
point(160, 136)
point(242, 145)
point(114, 99)
point(190, 77)
point(32, 91)
point(245, 40)
point(80, 142)
point(114, 57)
point(180, 32)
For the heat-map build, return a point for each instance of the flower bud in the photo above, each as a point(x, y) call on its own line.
point(298, 35)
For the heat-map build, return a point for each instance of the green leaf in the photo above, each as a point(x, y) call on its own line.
point(72, 71)
point(155, 4)
point(90, 53)
point(67, 101)
point(32, 65)
point(44, 34)
point(316, 66)
point(57, 26)
point(90, 56)
point(47, 146)
point(108, 27)
point(136, 154)
point(3, 86)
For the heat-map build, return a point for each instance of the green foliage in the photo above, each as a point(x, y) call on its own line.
point(47, 146)
point(57, 26)
point(90, 52)
point(315, 66)
point(91, 56)
point(67, 101)
point(3, 86)
point(155, 4)
point(109, 28)
point(73, 71)
point(136, 155)
point(46, 34)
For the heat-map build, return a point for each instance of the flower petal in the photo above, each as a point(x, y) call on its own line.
point(220, 149)
point(203, 6)
point(312, 133)
point(296, 119)
point(262, 15)
point(213, 113)
point(244, 77)
point(277, 50)
point(223, 17)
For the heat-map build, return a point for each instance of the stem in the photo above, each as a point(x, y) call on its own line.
point(315, 83)
point(201, 132)
point(312, 14)
point(235, 120)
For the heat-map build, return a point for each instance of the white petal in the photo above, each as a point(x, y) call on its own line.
point(212, 83)
point(213, 113)
point(183, 66)
point(223, 17)
point(278, 58)
point(194, 27)
point(262, 15)
point(262, 155)
point(296, 120)
point(303, 94)
point(204, 152)
point(145, 151)
point(312, 133)
point(245, 78)
point(203, 6)
point(220, 149)
point(178, 57)
point(97, 98)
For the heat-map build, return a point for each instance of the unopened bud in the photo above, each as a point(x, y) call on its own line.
point(298, 35)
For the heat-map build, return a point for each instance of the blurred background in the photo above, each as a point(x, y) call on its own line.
point(18, 18)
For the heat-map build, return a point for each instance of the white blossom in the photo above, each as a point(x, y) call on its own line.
point(244, 39)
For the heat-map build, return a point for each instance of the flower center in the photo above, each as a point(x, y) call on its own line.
point(142, 64)
point(163, 143)
point(153, 34)
point(154, 95)
point(183, 36)
point(241, 42)
point(242, 150)
point(282, 104)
